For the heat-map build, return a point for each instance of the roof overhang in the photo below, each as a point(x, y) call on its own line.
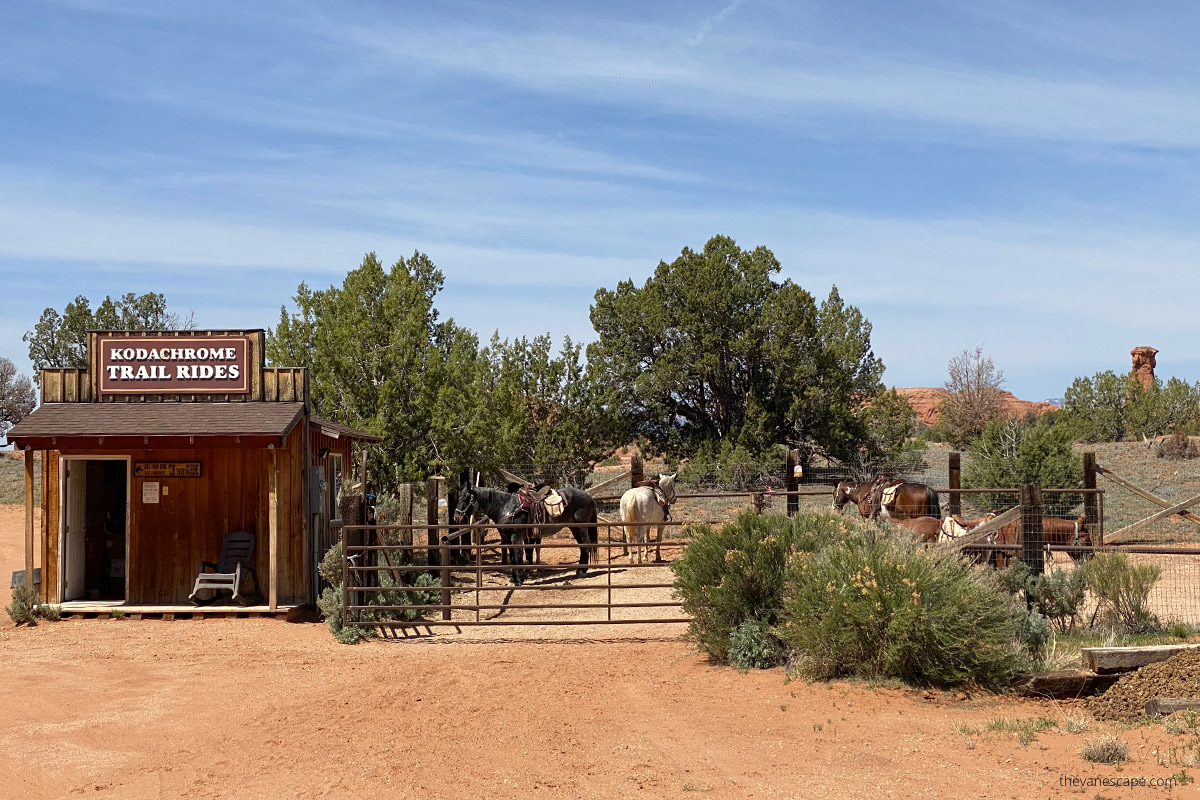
point(336, 430)
point(128, 426)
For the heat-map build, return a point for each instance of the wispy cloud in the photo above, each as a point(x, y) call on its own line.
point(708, 24)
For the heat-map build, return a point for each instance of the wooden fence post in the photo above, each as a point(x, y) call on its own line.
point(955, 504)
point(433, 555)
point(791, 480)
point(635, 470)
point(1091, 502)
point(1032, 542)
point(405, 517)
point(760, 502)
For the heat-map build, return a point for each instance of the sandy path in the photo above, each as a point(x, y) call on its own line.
point(266, 709)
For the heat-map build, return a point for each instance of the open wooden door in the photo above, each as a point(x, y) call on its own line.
point(74, 516)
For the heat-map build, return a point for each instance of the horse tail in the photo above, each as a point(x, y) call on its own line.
point(935, 506)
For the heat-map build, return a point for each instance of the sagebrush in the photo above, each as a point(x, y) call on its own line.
point(885, 607)
point(735, 573)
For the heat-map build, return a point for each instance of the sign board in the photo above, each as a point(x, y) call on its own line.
point(150, 492)
point(167, 469)
point(174, 365)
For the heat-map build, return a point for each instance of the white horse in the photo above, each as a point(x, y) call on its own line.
point(639, 510)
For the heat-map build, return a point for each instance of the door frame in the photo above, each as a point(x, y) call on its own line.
point(62, 514)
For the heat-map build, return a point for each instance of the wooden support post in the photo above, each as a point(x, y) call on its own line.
point(1032, 542)
point(431, 519)
point(954, 506)
point(405, 496)
point(760, 502)
point(1091, 505)
point(29, 519)
point(347, 600)
point(635, 470)
point(444, 558)
point(273, 527)
point(791, 478)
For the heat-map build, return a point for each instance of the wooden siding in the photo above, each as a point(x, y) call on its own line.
point(168, 540)
point(66, 386)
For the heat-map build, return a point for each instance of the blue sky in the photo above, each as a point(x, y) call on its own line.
point(1017, 175)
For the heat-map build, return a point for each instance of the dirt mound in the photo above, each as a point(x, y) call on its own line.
point(1178, 676)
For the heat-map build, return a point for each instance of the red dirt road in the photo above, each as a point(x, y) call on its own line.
point(266, 709)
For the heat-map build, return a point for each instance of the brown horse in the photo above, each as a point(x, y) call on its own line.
point(1055, 531)
point(932, 529)
point(851, 492)
point(897, 500)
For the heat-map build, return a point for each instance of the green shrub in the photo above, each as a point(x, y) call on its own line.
point(730, 466)
point(23, 610)
point(1123, 590)
point(1058, 596)
point(27, 609)
point(1033, 632)
point(754, 645)
point(884, 607)
point(735, 573)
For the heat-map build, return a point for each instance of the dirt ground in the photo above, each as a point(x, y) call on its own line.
point(267, 709)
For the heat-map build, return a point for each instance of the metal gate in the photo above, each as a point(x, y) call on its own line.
point(454, 578)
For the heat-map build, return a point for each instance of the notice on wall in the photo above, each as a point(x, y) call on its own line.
point(150, 492)
point(166, 469)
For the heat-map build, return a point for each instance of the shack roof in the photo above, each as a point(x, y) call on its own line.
point(143, 424)
point(335, 430)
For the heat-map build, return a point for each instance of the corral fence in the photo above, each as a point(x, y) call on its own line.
point(412, 574)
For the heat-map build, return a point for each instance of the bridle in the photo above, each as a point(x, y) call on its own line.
point(465, 512)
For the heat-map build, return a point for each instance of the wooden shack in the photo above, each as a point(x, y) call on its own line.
point(162, 445)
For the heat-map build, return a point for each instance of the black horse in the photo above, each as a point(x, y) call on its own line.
point(579, 514)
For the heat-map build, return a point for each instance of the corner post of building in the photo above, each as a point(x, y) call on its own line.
point(28, 517)
point(1032, 541)
point(1091, 502)
point(791, 481)
point(273, 525)
point(954, 506)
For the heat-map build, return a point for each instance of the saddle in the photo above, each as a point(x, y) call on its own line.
point(541, 503)
point(659, 496)
point(888, 498)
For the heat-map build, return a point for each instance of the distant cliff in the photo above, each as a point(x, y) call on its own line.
point(925, 401)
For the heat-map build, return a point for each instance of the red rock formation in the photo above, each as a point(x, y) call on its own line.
point(925, 402)
point(1143, 365)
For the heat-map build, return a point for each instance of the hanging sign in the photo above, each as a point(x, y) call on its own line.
point(174, 365)
point(167, 469)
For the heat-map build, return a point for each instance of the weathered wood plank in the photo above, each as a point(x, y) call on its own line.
point(29, 519)
point(1107, 660)
point(979, 534)
point(1142, 493)
point(508, 476)
point(273, 527)
point(1161, 706)
point(624, 476)
point(1065, 684)
point(1166, 512)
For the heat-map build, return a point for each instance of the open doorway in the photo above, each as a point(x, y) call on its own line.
point(95, 528)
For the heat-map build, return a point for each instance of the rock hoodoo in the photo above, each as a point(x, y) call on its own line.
point(1143, 365)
